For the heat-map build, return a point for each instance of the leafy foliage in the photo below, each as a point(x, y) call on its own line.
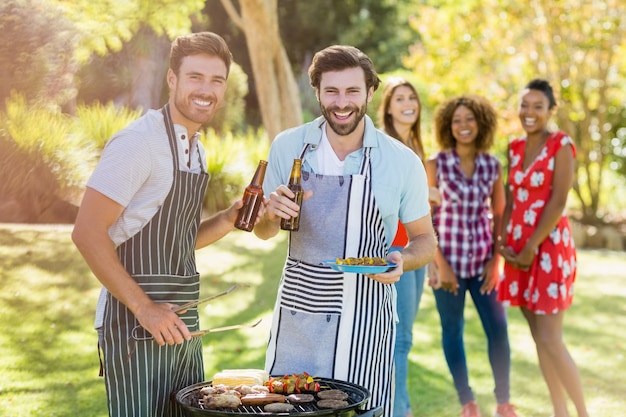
point(231, 161)
point(107, 24)
point(36, 130)
point(377, 27)
point(231, 116)
point(495, 47)
point(41, 162)
point(37, 53)
point(97, 123)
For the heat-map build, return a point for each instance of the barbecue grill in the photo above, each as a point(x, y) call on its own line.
point(190, 399)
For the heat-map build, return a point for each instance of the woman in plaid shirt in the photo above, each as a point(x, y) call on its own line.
point(470, 184)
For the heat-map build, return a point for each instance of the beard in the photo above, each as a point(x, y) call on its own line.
point(344, 129)
point(188, 110)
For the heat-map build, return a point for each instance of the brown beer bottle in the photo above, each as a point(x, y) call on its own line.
point(295, 185)
point(252, 200)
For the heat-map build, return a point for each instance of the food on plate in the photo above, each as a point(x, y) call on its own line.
point(295, 383)
point(331, 403)
point(262, 399)
point(332, 394)
point(235, 377)
point(361, 261)
point(300, 398)
point(278, 408)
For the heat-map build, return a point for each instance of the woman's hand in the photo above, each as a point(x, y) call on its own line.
point(525, 258)
point(433, 276)
point(448, 279)
point(490, 275)
point(522, 260)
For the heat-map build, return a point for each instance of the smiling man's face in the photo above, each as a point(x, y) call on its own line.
point(343, 98)
point(197, 90)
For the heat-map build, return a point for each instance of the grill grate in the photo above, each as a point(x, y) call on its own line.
point(357, 396)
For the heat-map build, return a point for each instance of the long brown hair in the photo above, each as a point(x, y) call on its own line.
point(386, 121)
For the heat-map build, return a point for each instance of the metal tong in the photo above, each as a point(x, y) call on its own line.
point(221, 329)
point(192, 304)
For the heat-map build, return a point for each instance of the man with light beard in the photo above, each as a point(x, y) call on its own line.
point(138, 226)
point(358, 182)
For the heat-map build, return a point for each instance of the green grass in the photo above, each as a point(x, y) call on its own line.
point(49, 362)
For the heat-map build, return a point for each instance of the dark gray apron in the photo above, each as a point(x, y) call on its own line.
point(141, 376)
point(327, 323)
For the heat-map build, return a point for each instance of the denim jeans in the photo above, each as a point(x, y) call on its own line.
point(493, 317)
point(409, 289)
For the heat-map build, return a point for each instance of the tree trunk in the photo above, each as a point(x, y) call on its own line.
point(275, 84)
point(148, 68)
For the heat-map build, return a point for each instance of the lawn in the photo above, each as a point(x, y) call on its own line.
point(49, 361)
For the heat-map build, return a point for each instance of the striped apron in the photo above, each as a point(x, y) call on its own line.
point(328, 323)
point(141, 376)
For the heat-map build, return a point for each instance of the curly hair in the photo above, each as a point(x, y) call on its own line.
point(486, 119)
point(385, 120)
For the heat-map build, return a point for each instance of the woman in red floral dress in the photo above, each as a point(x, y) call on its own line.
point(536, 241)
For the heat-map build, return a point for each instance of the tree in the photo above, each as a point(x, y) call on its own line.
point(493, 48)
point(275, 82)
point(377, 27)
point(144, 28)
point(36, 57)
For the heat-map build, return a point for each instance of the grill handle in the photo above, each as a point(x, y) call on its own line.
point(373, 412)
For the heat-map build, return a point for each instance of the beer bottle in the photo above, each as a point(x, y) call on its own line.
point(295, 185)
point(252, 200)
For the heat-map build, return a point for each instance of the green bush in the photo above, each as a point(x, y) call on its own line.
point(42, 162)
point(231, 161)
point(97, 122)
point(37, 54)
point(230, 117)
point(49, 136)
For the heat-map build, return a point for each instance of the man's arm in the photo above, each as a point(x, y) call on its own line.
point(422, 243)
point(219, 225)
point(90, 235)
point(418, 253)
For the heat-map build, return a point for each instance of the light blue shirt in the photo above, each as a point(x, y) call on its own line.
point(398, 176)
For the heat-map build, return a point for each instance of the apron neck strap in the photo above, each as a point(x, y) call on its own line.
point(171, 134)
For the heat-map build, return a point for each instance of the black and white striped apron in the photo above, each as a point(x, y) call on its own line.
point(327, 323)
point(141, 376)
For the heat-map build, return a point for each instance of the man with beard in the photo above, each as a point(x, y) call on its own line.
point(138, 226)
point(358, 182)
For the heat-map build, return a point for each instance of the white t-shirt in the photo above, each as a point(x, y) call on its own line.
point(329, 163)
